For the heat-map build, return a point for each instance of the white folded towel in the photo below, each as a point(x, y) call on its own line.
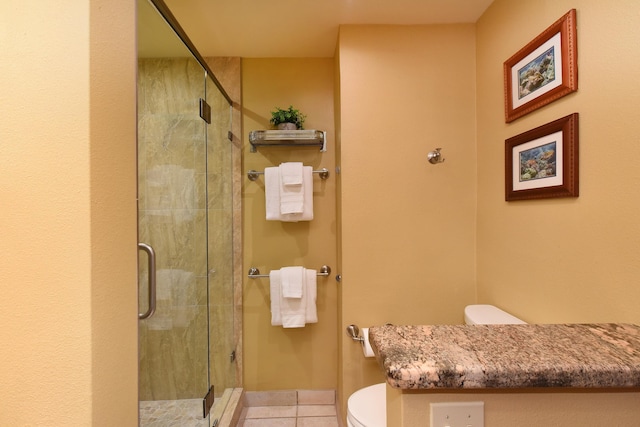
point(272, 196)
point(311, 292)
point(274, 292)
point(272, 193)
point(293, 312)
point(291, 188)
point(292, 281)
point(291, 173)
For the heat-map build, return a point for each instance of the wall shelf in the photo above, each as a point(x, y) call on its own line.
point(290, 138)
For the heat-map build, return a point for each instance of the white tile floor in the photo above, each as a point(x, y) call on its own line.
point(290, 408)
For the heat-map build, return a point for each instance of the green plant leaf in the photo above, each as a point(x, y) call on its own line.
point(289, 115)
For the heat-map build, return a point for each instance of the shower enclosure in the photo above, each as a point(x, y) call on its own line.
point(185, 227)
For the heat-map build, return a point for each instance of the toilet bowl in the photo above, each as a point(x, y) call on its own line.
point(367, 407)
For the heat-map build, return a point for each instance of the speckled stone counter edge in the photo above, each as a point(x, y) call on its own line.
point(508, 356)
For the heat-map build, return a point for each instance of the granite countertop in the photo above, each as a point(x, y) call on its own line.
point(508, 356)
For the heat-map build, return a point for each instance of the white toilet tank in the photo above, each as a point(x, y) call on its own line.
point(484, 314)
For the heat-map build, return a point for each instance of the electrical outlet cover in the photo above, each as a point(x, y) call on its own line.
point(457, 414)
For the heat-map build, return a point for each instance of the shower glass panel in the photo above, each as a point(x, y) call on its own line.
point(185, 214)
point(172, 219)
point(221, 301)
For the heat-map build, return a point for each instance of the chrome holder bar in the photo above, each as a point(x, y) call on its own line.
point(253, 174)
point(254, 273)
point(151, 256)
point(353, 332)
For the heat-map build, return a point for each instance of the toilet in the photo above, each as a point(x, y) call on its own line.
point(367, 407)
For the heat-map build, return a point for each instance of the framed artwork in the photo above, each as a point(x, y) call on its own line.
point(543, 162)
point(544, 70)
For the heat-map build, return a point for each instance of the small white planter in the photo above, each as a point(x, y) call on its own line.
point(287, 126)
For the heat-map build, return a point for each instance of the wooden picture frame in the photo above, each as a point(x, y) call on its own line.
point(543, 162)
point(544, 70)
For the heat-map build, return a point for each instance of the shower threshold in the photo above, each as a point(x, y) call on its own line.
point(188, 412)
point(172, 413)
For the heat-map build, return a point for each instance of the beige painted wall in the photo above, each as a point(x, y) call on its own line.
point(408, 227)
point(67, 160)
point(564, 260)
point(277, 358)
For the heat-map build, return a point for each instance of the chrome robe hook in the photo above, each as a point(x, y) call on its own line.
point(435, 156)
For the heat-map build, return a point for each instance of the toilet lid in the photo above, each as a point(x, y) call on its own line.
point(367, 407)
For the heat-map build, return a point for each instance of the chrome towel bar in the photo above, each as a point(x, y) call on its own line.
point(253, 174)
point(254, 273)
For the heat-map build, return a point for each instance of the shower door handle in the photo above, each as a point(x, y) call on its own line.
point(151, 256)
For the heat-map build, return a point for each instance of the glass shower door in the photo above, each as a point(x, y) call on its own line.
point(172, 219)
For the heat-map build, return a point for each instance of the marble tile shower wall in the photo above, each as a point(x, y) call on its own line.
point(172, 154)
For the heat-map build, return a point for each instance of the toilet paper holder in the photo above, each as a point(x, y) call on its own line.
point(353, 331)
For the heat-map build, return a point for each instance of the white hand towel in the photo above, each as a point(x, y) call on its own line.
point(272, 196)
point(291, 194)
point(291, 281)
point(291, 173)
point(274, 291)
point(311, 292)
point(272, 193)
point(293, 312)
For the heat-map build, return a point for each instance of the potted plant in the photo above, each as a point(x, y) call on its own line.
point(289, 119)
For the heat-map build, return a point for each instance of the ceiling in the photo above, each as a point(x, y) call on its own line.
point(303, 28)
